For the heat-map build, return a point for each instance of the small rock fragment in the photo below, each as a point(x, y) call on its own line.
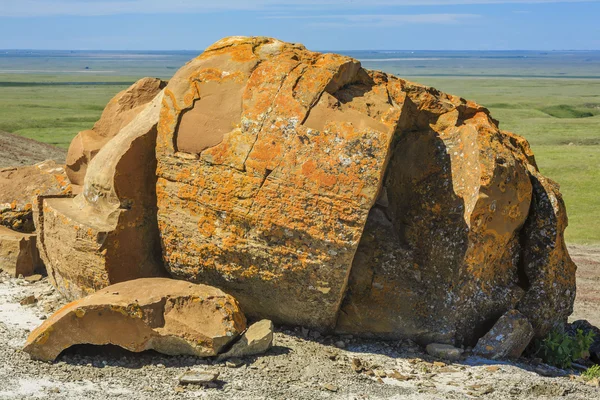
point(256, 340)
point(380, 373)
point(340, 344)
point(330, 387)
point(357, 365)
point(398, 376)
point(198, 377)
point(444, 351)
point(29, 300)
point(34, 278)
point(507, 339)
point(234, 363)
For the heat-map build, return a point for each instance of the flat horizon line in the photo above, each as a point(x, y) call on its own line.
point(319, 50)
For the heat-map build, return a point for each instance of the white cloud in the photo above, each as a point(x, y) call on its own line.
point(379, 20)
point(27, 8)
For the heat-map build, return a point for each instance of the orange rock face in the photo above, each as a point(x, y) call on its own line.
point(166, 315)
point(322, 194)
point(119, 112)
point(273, 208)
point(20, 185)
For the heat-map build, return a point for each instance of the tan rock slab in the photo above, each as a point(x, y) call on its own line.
point(19, 187)
point(170, 316)
point(508, 338)
point(108, 233)
point(445, 351)
point(198, 377)
point(18, 253)
point(119, 112)
point(256, 340)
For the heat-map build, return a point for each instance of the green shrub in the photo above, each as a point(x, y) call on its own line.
point(592, 373)
point(561, 349)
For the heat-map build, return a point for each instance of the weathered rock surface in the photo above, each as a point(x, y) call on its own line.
point(325, 195)
point(274, 207)
point(256, 340)
point(119, 112)
point(509, 337)
point(318, 194)
point(20, 185)
point(18, 253)
point(445, 351)
point(108, 233)
point(172, 317)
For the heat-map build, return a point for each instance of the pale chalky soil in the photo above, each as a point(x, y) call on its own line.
point(296, 368)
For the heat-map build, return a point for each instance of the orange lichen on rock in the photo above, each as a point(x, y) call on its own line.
point(279, 181)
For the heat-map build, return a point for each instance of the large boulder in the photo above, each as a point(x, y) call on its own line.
point(274, 205)
point(321, 194)
point(169, 316)
point(20, 185)
point(108, 233)
point(119, 112)
point(325, 195)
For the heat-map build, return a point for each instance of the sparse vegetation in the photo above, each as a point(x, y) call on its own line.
point(566, 111)
point(561, 349)
point(592, 373)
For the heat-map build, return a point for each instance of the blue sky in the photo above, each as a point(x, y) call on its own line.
point(319, 24)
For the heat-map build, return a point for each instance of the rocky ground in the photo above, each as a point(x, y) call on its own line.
point(16, 151)
point(302, 365)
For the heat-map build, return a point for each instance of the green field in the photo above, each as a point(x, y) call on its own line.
point(560, 118)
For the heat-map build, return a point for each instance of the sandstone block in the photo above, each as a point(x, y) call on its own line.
point(172, 317)
point(108, 233)
point(20, 185)
point(18, 253)
point(119, 112)
point(272, 209)
point(509, 337)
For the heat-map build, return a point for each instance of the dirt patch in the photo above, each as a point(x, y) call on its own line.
point(587, 302)
point(16, 150)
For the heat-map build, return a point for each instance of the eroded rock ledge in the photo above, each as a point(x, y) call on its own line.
point(322, 194)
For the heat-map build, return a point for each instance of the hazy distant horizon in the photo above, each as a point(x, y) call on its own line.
point(312, 49)
point(465, 63)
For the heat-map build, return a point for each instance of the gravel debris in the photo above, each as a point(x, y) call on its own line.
point(301, 365)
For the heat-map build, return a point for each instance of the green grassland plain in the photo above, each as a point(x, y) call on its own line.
point(560, 118)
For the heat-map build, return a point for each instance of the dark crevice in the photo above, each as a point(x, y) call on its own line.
point(481, 329)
